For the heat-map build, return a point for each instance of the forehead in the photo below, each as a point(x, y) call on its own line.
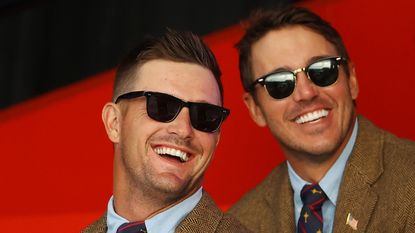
point(290, 47)
point(190, 82)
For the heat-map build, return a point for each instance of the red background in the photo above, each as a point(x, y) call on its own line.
point(57, 162)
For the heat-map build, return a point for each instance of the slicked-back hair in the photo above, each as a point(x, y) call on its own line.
point(263, 21)
point(176, 46)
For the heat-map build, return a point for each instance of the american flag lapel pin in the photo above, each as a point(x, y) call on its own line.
point(352, 222)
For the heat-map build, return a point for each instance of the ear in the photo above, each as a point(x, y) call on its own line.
point(353, 84)
point(254, 110)
point(111, 117)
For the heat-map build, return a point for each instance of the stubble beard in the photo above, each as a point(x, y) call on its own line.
point(150, 186)
point(311, 155)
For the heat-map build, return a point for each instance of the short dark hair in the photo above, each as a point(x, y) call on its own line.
point(263, 21)
point(177, 46)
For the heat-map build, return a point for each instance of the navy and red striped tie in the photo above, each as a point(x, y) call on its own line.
point(311, 217)
point(132, 227)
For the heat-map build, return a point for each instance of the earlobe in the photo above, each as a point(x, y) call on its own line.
point(353, 84)
point(254, 110)
point(111, 119)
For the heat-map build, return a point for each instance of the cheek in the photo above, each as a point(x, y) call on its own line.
point(137, 132)
point(274, 113)
point(209, 144)
point(344, 95)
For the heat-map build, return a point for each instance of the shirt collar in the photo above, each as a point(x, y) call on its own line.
point(332, 179)
point(166, 221)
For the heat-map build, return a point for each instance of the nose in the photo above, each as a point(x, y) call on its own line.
point(304, 90)
point(181, 125)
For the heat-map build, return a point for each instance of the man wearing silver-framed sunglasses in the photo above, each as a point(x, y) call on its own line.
point(342, 173)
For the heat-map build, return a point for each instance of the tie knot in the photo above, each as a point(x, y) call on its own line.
point(313, 195)
point(132, 227)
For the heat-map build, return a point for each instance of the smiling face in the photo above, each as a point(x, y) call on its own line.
point(314, 120)
point(165, 159)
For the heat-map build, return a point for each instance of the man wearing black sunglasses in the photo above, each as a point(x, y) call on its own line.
point(164, 121)
point(341, 173)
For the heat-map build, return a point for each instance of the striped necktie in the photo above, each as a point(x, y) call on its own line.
point(311, 217)
point(132, 227)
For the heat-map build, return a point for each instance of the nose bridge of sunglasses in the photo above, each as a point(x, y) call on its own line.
point(185, 108)
point(301, 70)
point(183, 115)
point(295, 72)
point(303, 84)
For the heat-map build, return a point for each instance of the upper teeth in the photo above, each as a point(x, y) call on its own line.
point(312, 116)
point(172, 152)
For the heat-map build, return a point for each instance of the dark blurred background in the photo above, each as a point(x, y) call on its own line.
point(45, 45)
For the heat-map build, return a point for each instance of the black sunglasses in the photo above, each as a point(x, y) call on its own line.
point(280, 84)
point(165, 108)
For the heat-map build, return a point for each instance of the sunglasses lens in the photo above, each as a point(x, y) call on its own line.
point(206, 117)
point(165, 108)
point(323, 73)
point(280, 85)
point(162, 107)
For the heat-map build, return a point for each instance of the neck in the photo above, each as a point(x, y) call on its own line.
point(311, 172)
point(136, 206)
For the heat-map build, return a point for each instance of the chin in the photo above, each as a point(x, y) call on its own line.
point(323, 152)
point(316, 153)
point(171, 185)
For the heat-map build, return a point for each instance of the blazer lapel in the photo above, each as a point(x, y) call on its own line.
point(364, 167)
point(279, 197)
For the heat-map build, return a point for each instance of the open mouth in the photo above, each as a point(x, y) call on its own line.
point(172, 153)
point(312, 116)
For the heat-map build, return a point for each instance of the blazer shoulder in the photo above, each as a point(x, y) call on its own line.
point(258, 195)
point(401, 146)
point(207, 217)
point(378, 145)
point(99, 226)
point(399, 155)
point(229, 224)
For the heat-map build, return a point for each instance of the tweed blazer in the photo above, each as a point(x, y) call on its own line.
point(378, 189)
point(205, 217)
